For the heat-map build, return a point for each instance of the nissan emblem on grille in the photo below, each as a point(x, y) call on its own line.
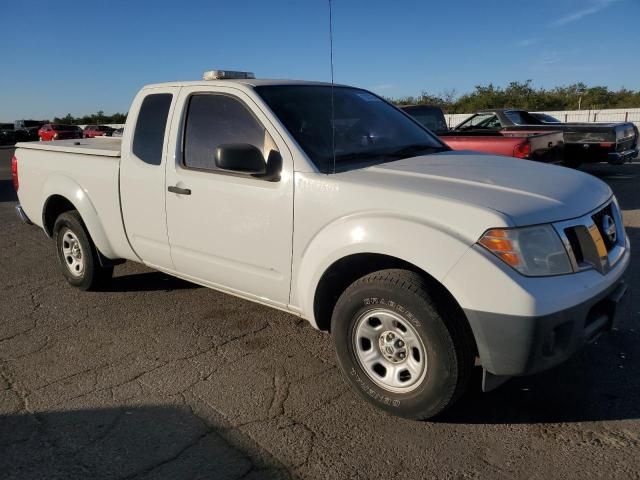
point(609, 228)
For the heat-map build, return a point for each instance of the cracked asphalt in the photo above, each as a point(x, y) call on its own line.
point(159, 378)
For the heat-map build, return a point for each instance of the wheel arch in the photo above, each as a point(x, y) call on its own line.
point(63, 194)
point(354, 246)
point(347, 270)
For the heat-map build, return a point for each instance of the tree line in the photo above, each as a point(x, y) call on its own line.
point(98, 118)
point(577, 96)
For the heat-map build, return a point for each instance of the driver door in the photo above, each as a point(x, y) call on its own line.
point(229, 230)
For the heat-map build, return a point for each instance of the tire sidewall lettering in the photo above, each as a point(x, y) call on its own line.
point(375, 395)
point(392, 305)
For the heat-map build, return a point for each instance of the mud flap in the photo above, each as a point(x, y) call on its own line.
point(491, 382)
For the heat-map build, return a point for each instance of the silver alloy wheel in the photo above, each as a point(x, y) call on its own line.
point(72, 252)
point(389, 350)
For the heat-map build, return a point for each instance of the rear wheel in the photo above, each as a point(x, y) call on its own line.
point(399, 348)
point(77, 254)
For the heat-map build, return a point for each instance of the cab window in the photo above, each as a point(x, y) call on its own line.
point(148, 136)
point(216, 119)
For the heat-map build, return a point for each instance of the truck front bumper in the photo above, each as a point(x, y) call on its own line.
point(523, 325)
point(521, 345)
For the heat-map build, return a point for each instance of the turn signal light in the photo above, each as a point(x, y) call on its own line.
point(498, 243)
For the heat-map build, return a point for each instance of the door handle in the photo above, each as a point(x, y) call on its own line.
point(179, 191)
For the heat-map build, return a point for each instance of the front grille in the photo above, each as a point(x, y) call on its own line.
point(599, 220)
point(596, 240)
point(572, 237)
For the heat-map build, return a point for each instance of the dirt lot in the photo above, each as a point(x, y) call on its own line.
point(159, 378)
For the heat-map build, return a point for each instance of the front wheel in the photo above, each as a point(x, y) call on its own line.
point(77, 254)
point(398, 347)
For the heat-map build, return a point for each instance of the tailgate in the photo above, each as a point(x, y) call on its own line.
point(547, 147)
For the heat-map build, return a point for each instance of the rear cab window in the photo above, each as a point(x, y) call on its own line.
point(148, 136)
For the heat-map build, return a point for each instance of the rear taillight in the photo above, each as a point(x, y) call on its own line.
point(14, 172)
point(522, 150)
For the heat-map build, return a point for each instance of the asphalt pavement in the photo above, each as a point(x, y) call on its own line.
point(160, 378)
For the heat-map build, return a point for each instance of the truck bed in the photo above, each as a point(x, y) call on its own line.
point(86, 173)
point(545, 146)
point(102, 146)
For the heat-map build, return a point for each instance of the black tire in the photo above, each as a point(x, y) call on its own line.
point(92, 275)
point(441, 327)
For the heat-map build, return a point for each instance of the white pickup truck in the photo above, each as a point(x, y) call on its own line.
point(328, 202)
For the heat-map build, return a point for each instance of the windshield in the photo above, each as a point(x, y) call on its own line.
point(481, 121)
point(64, 127)
point(367, 129)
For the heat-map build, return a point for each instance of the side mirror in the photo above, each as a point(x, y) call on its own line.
point(240, 158)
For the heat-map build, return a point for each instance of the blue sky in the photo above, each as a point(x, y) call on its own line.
point(83, 56)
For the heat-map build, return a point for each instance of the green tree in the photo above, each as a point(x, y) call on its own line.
point(523, 94)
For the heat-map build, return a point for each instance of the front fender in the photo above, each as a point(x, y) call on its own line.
point(68, 188)
point(427, 247)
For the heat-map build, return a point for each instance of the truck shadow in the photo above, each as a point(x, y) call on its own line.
point(601, 382)
point(147, 282)
point(126, 442)
point(7, 193)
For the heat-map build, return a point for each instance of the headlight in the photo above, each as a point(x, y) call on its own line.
point(533, 251)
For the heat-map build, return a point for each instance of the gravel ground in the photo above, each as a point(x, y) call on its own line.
point(159, 378)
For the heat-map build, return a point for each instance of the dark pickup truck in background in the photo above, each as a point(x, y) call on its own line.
point(27, 130)
point(7, 134)
point(614, 143)
point(529, 144)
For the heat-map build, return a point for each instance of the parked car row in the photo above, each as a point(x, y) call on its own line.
point(57, 131)
point(510, 132)
point(45, 131)
point(541, 137)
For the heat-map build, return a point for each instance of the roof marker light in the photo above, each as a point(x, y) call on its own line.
point(226, 75)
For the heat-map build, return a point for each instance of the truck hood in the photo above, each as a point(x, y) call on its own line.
point(526, 192)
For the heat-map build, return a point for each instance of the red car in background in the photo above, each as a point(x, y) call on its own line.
point(92, 131)
point(57, 131)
